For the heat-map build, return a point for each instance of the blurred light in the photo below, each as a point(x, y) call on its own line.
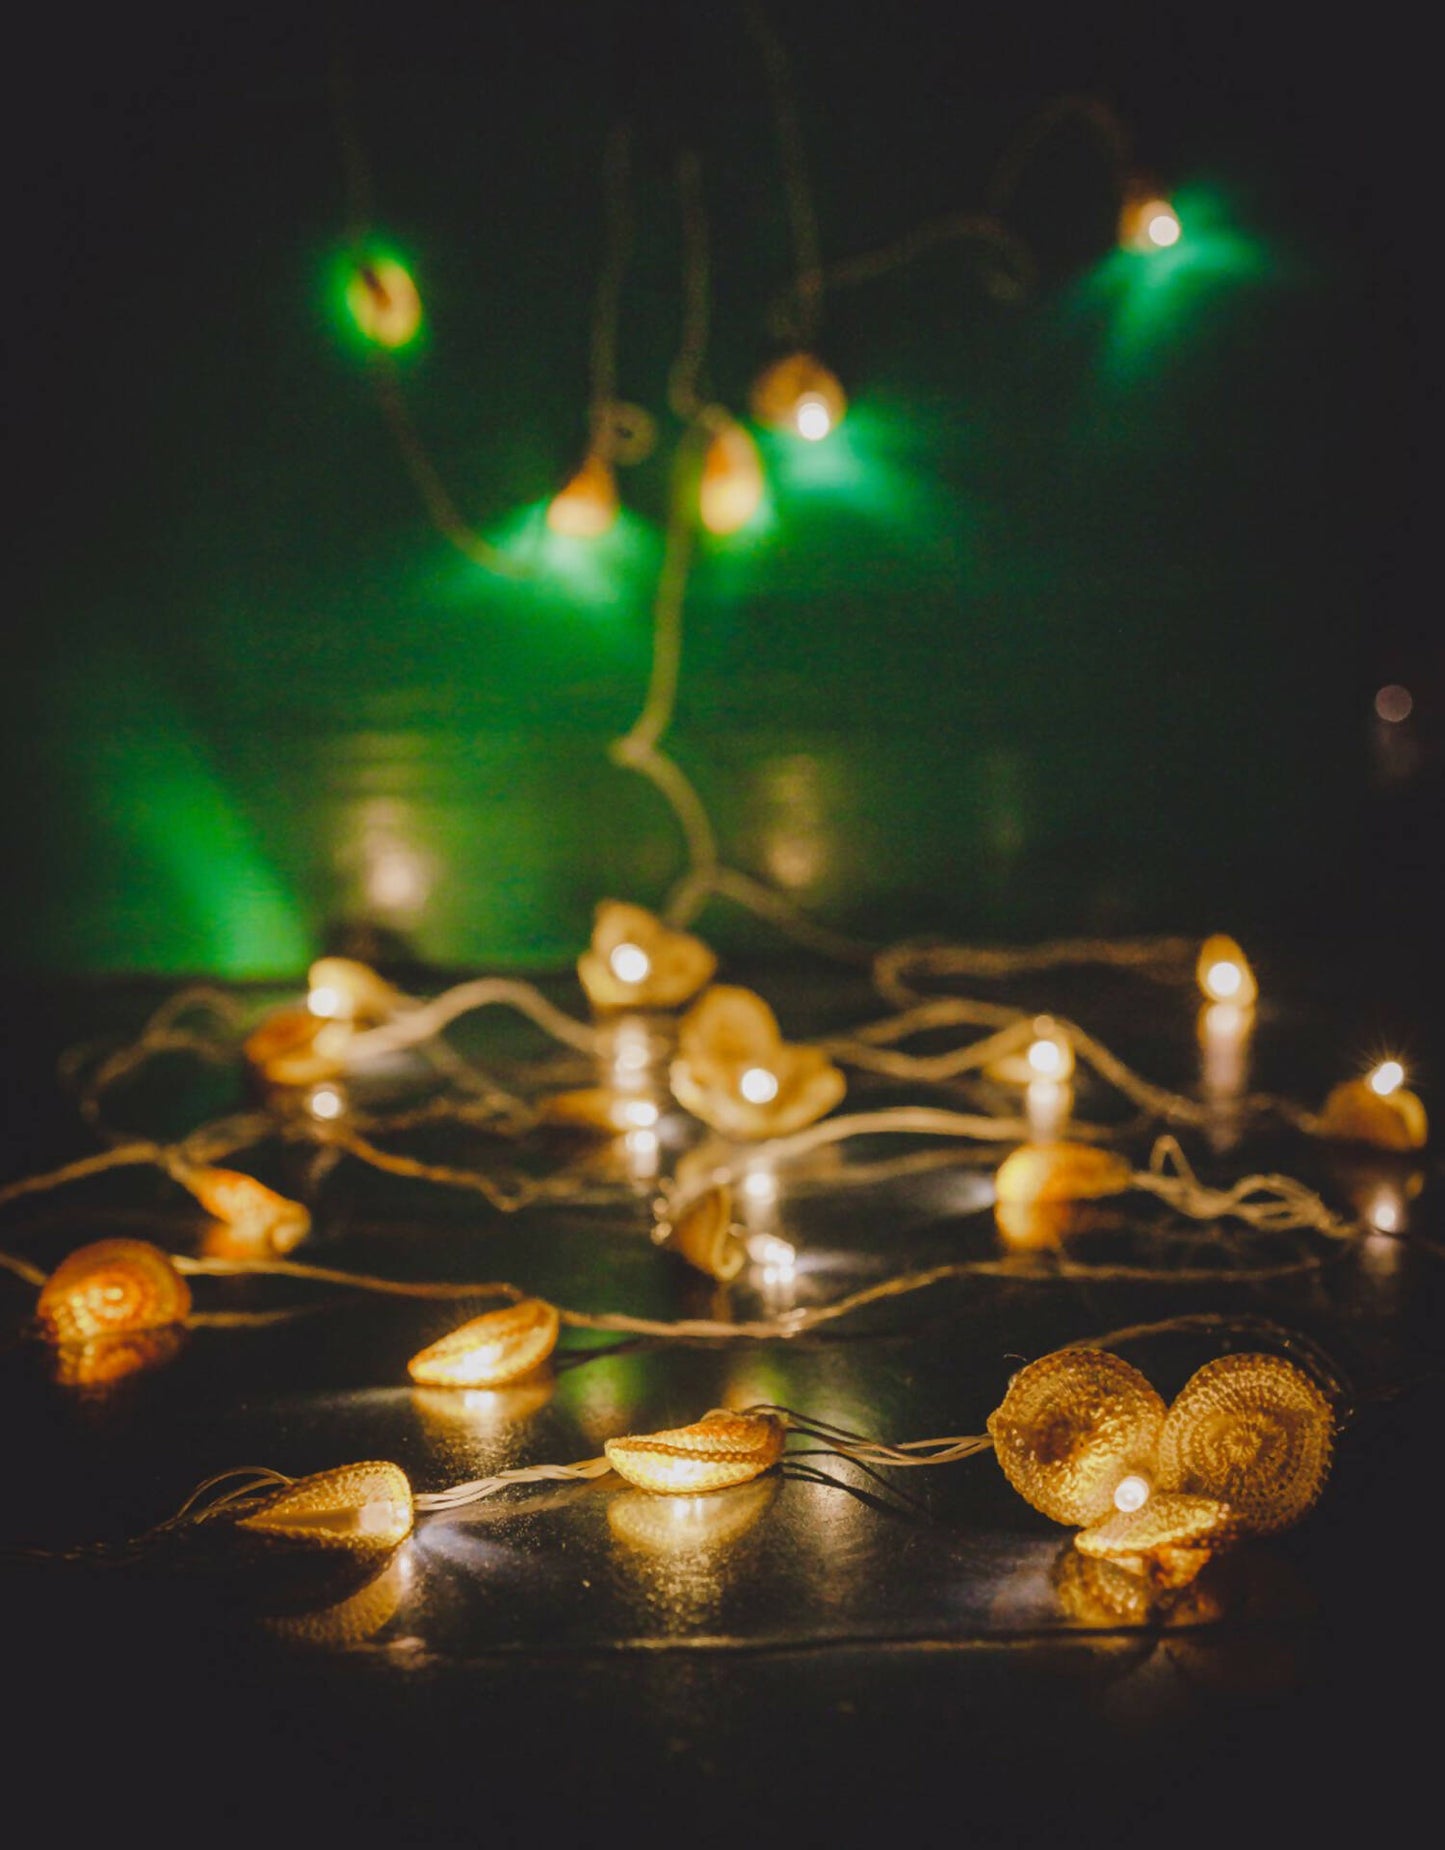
point(800, 394)
point(325, 1102)
point(111, 1288)
point(587, 507)
point(1387, 1077)
point(490, 1350)
point(1223, 971)
point(758, 1086)
point(1394, 703)
point(813, 418)
point(639, 1113)
point(1131, 1493)
point(731, 490)
point(384, 303)
point(327, 1002)
point(630, 963)
point(760, 1185)
point(1162, 230)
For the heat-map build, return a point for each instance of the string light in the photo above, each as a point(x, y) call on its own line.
point(1378, 1109)
point(758, 1086)
point(1060, 1172)
point(735, 1072)
point(499, 1347)
point(261, 1219)
point(719, 1450)
point(634, 961)
point(588, 506)
point(384, 303)
point(1224, 973)
point(364, 1510)
point(731, 489)
point(111, 1288)
point(1149, 223)
point(800, 394)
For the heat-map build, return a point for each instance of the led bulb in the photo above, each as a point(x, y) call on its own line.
point(1050, 1054)
point(343, 990)
point(384, 303)
point(1132, 1492)
point(325, 1102)
point(731, 490)
point(630, 963)
point(1223, 972)
point(327, 1001)
point(1148, 222)
point(758, 1086)
point(1387, 1077)
point(800, 394)
point(587, 507)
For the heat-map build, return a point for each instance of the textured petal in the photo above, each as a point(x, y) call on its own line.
point(110, 1288)
point(490, 1350)
point(1071, 1426)
point(678, 964)
point(718, 1450)
point(1255, 1432)
point(730, 1027)
point(704, 1234)
point(1355, 1113)
point(1043, 1172)
point(364, 1509)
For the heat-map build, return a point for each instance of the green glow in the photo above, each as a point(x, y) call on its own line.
point(599, 574)
point(1157, 299)
point(341, 274)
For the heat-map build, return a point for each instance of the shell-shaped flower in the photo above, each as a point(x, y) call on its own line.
point(1244, 1450)
point(363, 1510)
point(735, 1071)
point(636, 962)
point(714, 1452)
point(112, 1288)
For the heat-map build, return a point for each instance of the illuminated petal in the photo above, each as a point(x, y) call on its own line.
point(1224, 974)
point(800, 394)
point(1071, 1426)
point(587, 507)
point(730, 1026)
point(1170, 1538)
point(735, 1071)
point(1254, 1432)
point(719, 1450)
point(262, 1219)
point(106, 1359)
point(491, 1350)
point(1355, 1113)
point(674, 965)
point(1042, 1172)
point(705, 1235)
point(364, 1509)
point(341, 989)
point(293, 1047)
point(110, 1288)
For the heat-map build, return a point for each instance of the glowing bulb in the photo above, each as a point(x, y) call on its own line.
point(812, 417)
point(112, 1288)
point(1048, 1058)
point(491, 1350)
point(325, 1102)
point(639, 1113)
point(1223, 971)
point(731, 490)
point(630, 963)
point(1131, 1493)
point(587, 507)
point(328, 1002)
point(384, 303)
point(760, 1185)
point(758, 1086)
point(778, 1258)
point(1162, 228)
point(1394, 704)
point(363, 1509)
point(1387, 1077)
point(1384, 1212)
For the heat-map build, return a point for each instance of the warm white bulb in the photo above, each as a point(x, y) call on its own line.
point(1223, 980)
point(1384, 1213)
point(812, 417)
point(325, 1102)
point(1387, 1077)
point(630, 963)
point(326, 1001)
point(1046, 1058)
point(760, 1185)
point(1131, 1493)
point(639, 1113)
point(1162, 229)
point(758, 1086)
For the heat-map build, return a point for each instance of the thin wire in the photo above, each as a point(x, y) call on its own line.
point(793, 161)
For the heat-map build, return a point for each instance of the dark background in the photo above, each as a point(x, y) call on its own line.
point(1088, 638)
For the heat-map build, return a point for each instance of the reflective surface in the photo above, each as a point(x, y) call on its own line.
point(572, 1628)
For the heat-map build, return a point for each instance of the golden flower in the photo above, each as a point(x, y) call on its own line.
point(718, 1450)
point(1047, 1172)
point(637, 962)
point(260, 1220)
point(363, 1510)
point(1244, 1450)
point(1375, 1111)
point(705, 1234)
point(112, 1288)
point(735, 1071)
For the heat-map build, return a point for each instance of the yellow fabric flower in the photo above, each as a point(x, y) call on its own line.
point(735, 1071)
point(637, 962)
point(1244, 1450)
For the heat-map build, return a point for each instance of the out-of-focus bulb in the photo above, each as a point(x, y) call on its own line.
point(383, 302)
point(112, 1288)
point(491, 1350)
point(1394, 704)
point(630, 963)
point(1223, 972)
point(587, 507)
point(800, 394)
point(813, 418)
point(760, 1185)
point(325, 1102)
point(731, 490)
point(1387, 1077)
point(327, 1002)
point(1162, 227)
point(1131, 1493)
point(638, 1113)
point(1050, 1055)
point(758, 1086)
point(1148, 223)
